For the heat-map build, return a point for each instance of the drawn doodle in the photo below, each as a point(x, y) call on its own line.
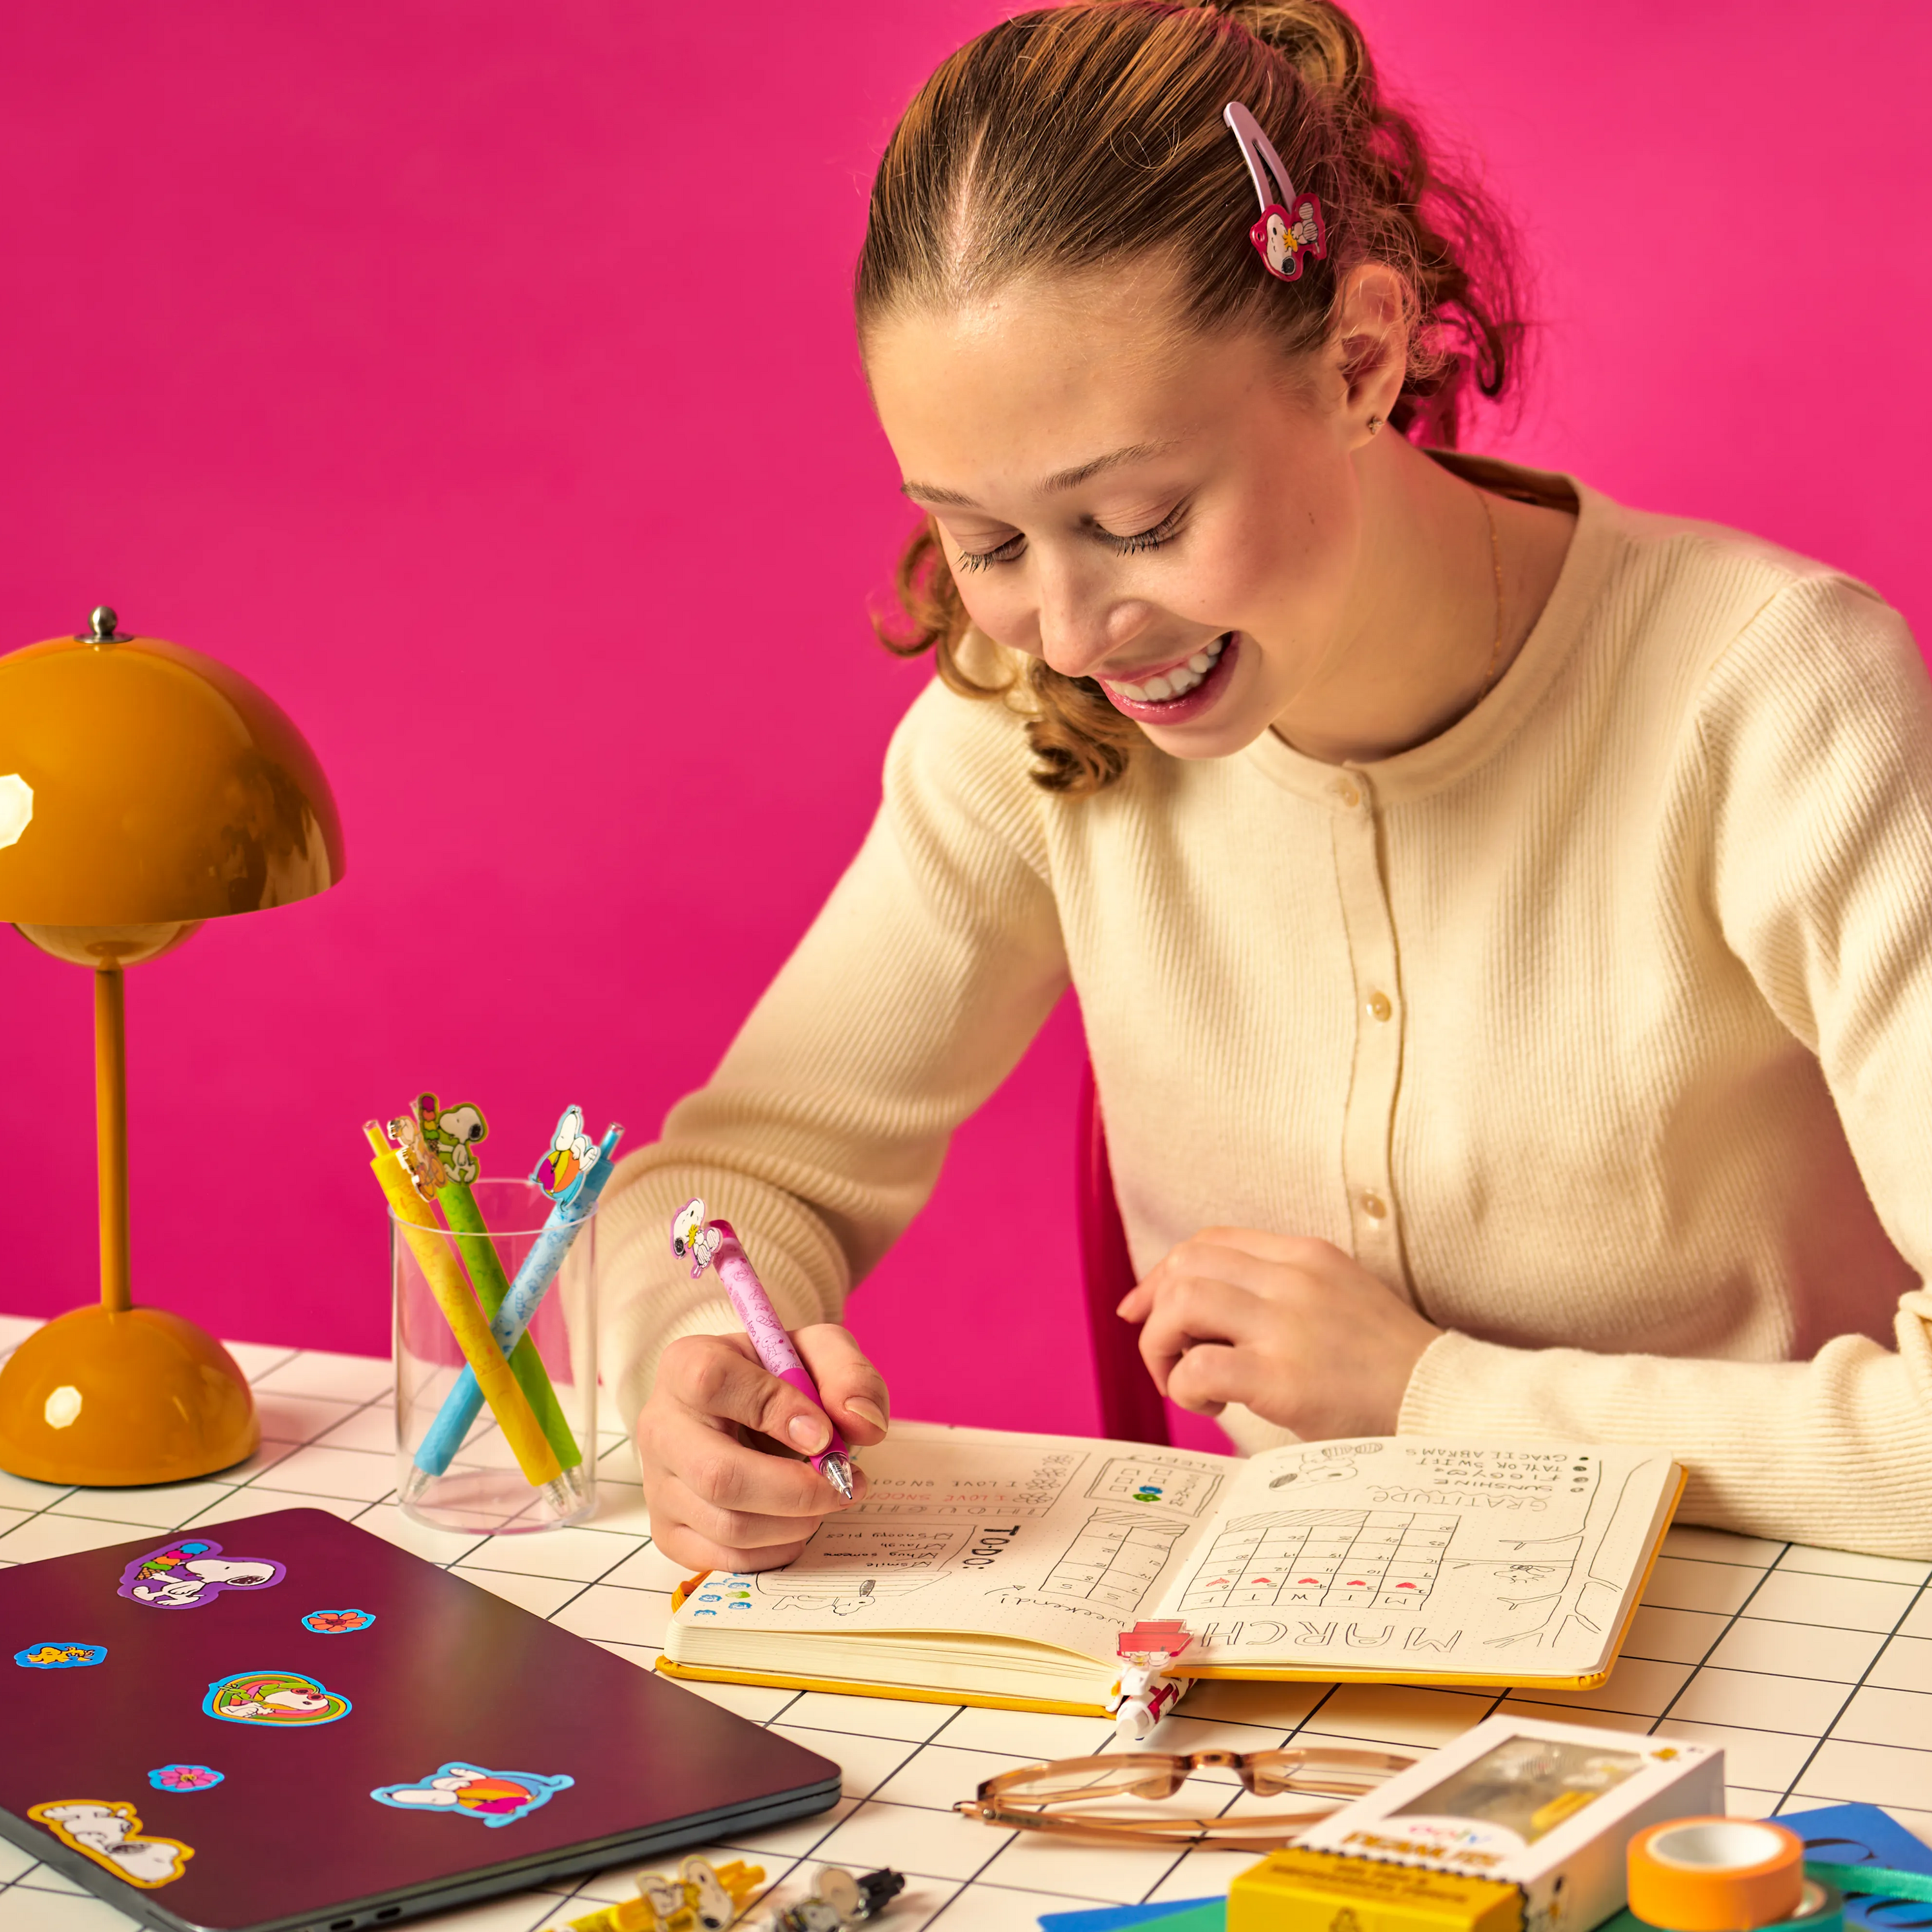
point(1115, 1560)
point(1124, 1479)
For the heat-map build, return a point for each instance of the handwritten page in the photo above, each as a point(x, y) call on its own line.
point(1400, 1555)
point(1053, 1539)
point(1405, 1554)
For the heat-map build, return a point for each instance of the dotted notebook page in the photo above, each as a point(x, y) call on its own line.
point(1812, 1668)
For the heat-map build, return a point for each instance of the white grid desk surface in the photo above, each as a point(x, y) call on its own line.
point(1812, 1668)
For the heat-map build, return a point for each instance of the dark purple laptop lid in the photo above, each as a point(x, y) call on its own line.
point(323, 1720)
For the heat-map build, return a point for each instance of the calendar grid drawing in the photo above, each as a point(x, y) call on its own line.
point(1335, 1559)
point(1114, 1560)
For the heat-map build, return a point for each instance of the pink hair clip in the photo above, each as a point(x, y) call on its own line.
point(1291, 224)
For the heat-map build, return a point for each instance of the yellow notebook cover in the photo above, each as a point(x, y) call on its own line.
point(985, 1568)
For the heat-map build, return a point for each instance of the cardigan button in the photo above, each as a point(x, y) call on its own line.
point(1350, 794)
point(1374, 1206)
point(1379, 1006)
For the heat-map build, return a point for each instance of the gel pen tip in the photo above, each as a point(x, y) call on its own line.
point(838, 1471)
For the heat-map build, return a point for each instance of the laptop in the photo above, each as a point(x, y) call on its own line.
point(283, 1723)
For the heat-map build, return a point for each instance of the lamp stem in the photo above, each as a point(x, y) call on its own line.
point(110, 1111)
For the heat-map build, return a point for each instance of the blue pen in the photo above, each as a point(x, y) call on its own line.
point(464, 1403)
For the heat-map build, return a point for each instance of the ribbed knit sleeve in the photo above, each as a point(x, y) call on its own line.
point(935, 961)
point(1806, 840)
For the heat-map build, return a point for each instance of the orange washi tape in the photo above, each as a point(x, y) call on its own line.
point(1716, 1874)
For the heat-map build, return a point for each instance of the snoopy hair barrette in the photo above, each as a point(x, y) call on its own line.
point(1291, 224)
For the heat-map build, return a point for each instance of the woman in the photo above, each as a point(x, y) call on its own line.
point(1498, 917)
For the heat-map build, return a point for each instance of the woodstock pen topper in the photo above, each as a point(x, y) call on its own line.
point(705, 1243)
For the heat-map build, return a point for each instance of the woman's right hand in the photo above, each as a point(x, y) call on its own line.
point(719, 1441)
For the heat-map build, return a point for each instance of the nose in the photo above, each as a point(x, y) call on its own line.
point(1081, 624)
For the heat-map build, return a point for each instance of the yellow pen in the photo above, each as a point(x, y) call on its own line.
point(424, 1233)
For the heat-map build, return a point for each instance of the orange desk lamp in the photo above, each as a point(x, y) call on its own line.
point(144, 788)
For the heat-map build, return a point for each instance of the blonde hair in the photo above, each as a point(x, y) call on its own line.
point(1078, 136)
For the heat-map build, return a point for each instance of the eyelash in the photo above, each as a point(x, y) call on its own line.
point(1130, 545)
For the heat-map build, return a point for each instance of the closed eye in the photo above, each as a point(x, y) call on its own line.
point(1123, 544)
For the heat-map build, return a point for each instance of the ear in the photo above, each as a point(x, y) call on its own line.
point(1370, 346)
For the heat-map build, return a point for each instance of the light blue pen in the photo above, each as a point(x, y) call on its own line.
point(464, 1403)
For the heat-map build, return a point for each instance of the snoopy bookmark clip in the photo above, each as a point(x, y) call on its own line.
point(1291, 224)
point(1144, 1694)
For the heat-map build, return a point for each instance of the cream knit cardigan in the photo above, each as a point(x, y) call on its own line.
point(1599, 1028)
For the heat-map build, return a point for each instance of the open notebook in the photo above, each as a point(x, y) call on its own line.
point(994, 1568)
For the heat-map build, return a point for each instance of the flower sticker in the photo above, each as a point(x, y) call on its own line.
point(338, 1623)
point(185, 1777)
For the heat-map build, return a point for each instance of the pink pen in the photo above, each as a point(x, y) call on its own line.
point(705, 1243)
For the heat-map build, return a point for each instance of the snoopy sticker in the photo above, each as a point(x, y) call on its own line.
point(275, 1698)
point(191, 1573)
point(562, 1171)
point(111, 1835)
point(468, 1791)
point(692, 1234)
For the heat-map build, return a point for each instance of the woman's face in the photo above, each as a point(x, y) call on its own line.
point(1174, 516)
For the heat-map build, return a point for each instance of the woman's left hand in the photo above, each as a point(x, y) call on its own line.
point(1291, 1326)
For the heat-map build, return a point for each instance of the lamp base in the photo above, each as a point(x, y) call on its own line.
point(110, 1400)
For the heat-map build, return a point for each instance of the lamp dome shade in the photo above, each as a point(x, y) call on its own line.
point(141, 782)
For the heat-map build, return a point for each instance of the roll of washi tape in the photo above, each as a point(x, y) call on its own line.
point(1716, 1874)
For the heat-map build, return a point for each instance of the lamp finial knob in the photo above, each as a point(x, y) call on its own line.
point(104, 618)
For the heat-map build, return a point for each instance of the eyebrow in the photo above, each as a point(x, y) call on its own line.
point(1061, 479)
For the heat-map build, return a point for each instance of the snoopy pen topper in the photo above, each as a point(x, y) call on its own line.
point(706, 1244)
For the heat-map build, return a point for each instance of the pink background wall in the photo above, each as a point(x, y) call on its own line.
point(441, 365)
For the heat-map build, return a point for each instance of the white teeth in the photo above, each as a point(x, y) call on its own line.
point(1132, 691)
point(1215, 649)
point(1157, 689)
point(1199, 662)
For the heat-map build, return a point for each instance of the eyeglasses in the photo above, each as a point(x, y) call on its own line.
point(1032, 1799)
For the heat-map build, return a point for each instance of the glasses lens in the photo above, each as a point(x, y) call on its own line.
point(1322, 1774)
point(1068, 1779)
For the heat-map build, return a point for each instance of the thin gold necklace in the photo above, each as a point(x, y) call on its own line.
point(1496, 565)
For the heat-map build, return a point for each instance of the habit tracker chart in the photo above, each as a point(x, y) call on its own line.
point(1387, 1559)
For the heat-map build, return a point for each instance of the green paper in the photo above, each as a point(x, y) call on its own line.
point(485, 1270)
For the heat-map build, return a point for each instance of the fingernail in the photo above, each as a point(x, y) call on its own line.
point(809, 1432)
point(866, 1412)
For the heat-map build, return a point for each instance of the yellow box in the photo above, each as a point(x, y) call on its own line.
point(1298, 1890)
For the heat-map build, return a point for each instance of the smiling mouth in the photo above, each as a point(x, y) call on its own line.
point(1176, 681)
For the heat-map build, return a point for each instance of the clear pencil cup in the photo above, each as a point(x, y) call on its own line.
point(514, 1447)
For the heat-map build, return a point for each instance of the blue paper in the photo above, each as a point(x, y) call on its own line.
point(1172, 1915)
point(1862, 1834)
